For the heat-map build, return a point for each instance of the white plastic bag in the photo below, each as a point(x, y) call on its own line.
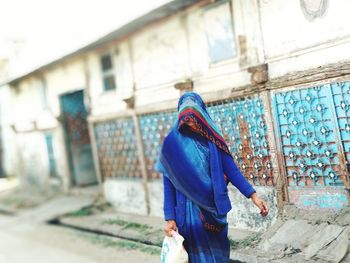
point(173, 250)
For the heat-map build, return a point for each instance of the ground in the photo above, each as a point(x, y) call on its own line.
point(31, 242)
point(81, 227)
point(27, 236)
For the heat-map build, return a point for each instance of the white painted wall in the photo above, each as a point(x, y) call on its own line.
point(244, 214)
point(127, 196)
point(60, 80)
point(107, 102)
point(156, 197)
point(64, 78)
point(160, 54)
point(26, 103)
point(286, 29)
point(8, 138)
point(171, 51)
point(32, 120)
point(293, 43)
point(32, 159)
point(176, 49)
point(27, 155)
point(231, 73)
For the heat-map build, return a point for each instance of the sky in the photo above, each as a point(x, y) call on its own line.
point(34, 32)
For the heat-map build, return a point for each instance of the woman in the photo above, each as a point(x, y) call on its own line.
point(197, 166)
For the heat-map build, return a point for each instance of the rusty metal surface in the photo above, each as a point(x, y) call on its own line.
point(154, 127)
point(117, 149)
point(340, 92)
point(278, 171)
point(242, 122)
point(244, 128)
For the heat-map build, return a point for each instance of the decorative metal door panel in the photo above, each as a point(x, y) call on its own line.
point(77, 138)
point(308, 130)
point(154, 127)
point(244, 128)
point(243, 125)
point(117, 149)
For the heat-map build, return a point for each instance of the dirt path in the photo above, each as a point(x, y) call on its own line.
point(41, 243)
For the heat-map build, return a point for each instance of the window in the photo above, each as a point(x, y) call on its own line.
point(43, 93)
point(51, 154)
point(107, 72)
point(219, 32)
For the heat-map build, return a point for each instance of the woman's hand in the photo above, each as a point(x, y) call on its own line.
point(261, 204)
point(170, 226)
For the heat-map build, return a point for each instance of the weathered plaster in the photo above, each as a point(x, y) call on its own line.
point(324, 198)
point(245, 215)
point(127, 196)
point(155, 190)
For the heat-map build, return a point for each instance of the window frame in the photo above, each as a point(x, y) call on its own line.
point(109, 72)
point(235, 56)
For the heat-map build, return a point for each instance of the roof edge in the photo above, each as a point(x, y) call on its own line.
point(155, 15)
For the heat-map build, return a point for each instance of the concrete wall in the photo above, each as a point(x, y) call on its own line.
point(293, 42)
point(64, 78)
point(245, 215)
point(35, 113)
point(33, 161)
point(29, 156)
point(173, 50)
point(109, 102)
point(8, 138)
point(128, 196)
point(312, 198)
point(156, 197)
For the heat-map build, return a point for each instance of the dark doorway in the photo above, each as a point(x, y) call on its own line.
point(74, 117)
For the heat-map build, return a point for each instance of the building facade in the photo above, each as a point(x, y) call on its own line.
point(275, 75)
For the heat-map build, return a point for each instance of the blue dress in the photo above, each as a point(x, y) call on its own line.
point(196, 164)
point(202, 245)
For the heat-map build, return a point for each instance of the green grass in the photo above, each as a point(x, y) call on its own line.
point(128, 225)
point(115, 222)
point(85, 211)
point(250, 241)
point(233, 243)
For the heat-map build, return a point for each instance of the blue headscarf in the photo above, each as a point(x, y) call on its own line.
point(183, 157)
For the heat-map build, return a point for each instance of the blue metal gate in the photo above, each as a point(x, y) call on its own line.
point(77, 138)
point(313, 125)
